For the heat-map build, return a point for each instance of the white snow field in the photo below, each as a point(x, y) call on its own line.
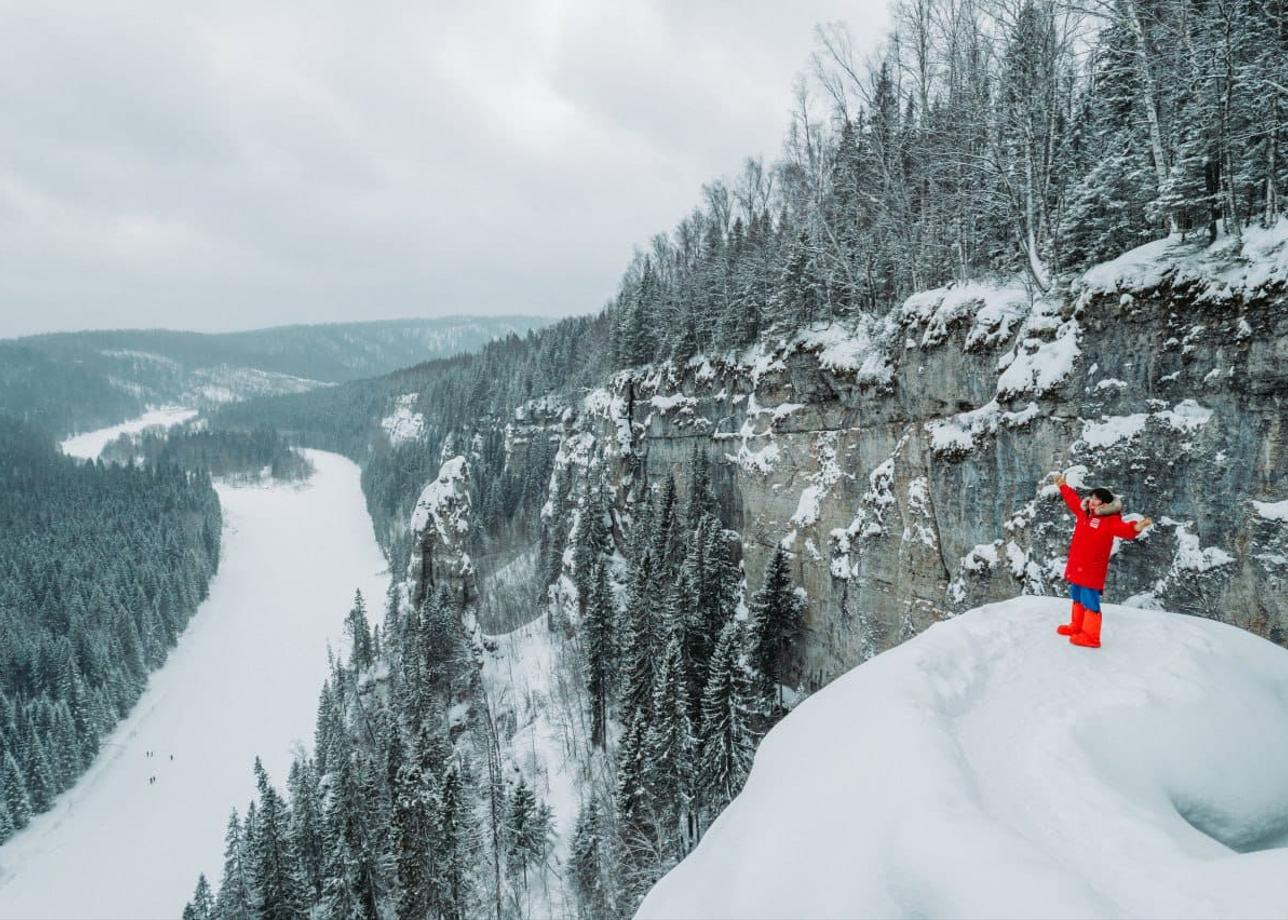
point(244, 680)
point(90, 444)
point(988, 768)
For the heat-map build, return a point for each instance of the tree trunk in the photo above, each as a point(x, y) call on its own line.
point(1031, 216)
point(1146, 70)
point(1272, 152)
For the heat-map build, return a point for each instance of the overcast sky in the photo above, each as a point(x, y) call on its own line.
point(232, 164)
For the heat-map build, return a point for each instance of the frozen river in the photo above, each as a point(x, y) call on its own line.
point(243, 681)
point(90, 444)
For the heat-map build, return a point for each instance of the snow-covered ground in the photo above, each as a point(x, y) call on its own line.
point(90, 444)
point(987, 768)
point(530, 679)
point(243, 681)
point(535, 689)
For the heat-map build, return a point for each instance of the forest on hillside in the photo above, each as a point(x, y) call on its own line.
point(404, 806)
point(241, 454)
point(101, 567)
point(71, 382)
point(1011, 137)
point(985, 138)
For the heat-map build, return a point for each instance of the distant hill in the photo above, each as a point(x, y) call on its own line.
point(69, 382)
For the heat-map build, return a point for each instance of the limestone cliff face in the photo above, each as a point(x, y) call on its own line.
point(440, 527)
point(901, 461)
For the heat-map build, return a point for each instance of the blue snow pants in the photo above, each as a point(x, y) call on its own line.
point(1089, 598)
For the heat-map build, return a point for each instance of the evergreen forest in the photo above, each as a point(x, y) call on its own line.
point(101, 567)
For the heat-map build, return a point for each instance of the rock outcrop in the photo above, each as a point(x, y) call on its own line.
point(440, 526)
point(901, 461)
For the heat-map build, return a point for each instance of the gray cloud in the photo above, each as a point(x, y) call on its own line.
point(240, 164)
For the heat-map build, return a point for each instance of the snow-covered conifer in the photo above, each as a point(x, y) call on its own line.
point(202, 905)
point(235, 886)
point(600, 648)
point(670, 750)
point(725, 742)
point(776, 614)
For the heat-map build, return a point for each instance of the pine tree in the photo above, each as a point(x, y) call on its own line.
point(7, 827)
point(592, 544)
point(666, 532)
point(719, 589)
point(1184, 194)
point(528, 831)
point(725, 740)
point(306, 836)
point(636, 337)
point(800, 297)
point(640, 641)
point(1106, 210)
point(776, 621)
point(277, 895)
point(40, 777)
point(449, 840)
point(14, 791)
point(601, 653)
point(683, 623)
point(670, 747)
point(346, 890)
point(202, 905)
point(329, 726)
point(410, 827)
point(588, 860)
point(442, 645)
point(359, 632)
point(368, 817)
point(554, 528)
point(702, 500)
point(235, 887)
point(632, 792)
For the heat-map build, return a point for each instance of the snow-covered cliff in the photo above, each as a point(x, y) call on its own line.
point(989, 768)
point(900, 459)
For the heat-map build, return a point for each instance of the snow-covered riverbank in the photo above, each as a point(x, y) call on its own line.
point(243, 681)
point(90, 444)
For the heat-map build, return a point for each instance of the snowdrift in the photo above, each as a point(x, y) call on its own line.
point(988, 768)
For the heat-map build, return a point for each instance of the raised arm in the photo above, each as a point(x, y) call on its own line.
point(1070, 497)
point(1130, 530)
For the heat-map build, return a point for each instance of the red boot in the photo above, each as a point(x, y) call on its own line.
point(1090, 635)
point(1073, 627)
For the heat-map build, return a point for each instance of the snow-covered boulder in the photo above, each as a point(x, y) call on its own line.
point(989, 768)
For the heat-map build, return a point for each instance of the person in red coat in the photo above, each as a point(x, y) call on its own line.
point(1099, 521)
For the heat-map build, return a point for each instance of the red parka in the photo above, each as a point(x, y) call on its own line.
point(1093, 539)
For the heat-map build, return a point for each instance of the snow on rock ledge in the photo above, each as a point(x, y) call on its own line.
point(1232, 266)
point(440, 524)
point(445, 501)
point(989, 768)
point(992, 307)
point(1272, 511)
point(404, 423)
